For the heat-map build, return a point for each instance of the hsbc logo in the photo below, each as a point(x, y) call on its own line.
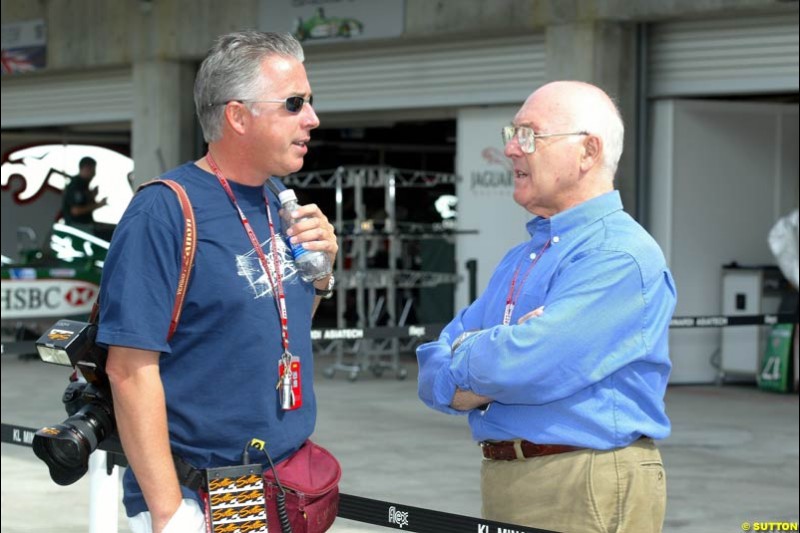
point(78, 296)
point(46, 298)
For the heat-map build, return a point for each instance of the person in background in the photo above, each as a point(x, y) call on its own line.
point(79, 202)
point(561, 365)
point(202, 396)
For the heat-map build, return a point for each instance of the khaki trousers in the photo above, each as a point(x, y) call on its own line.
point(585, 491)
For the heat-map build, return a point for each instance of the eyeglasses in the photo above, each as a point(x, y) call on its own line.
point(293, 104)
point(527, 138)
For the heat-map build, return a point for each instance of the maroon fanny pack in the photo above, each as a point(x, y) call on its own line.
point(308, 481)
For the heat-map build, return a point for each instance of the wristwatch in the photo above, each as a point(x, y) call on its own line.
point(327, 292)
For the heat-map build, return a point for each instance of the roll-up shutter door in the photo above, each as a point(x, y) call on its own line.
point(476, 72)
point(746, 54)
point(58, 99)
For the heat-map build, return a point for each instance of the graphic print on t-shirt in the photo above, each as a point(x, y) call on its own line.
point(249, 266)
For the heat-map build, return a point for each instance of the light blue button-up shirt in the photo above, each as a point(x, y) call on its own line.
point(592, 370)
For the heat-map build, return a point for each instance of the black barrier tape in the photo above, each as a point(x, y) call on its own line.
point(407, 518)
point(423, 331)
point(717, 321)
point(18, 435)
point(376, 512)
point(431, 331)
point(18, 347)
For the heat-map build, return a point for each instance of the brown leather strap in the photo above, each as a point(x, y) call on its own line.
point(189, 248)
point(509, 450)
point(187, 255)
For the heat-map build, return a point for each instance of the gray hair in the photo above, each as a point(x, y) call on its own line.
point(232, 71)
point(605, 121)
point(613, 134)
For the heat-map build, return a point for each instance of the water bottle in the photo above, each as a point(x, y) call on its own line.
point(311, 264)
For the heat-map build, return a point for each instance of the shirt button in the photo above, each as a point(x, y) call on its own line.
point(556, 239)
point(533, 255)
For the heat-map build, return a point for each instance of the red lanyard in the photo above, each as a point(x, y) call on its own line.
point(511, 299)
point(277, 283)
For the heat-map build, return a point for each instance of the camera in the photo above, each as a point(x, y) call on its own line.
point(66, 447)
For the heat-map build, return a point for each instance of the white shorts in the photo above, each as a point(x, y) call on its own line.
point(189, 518)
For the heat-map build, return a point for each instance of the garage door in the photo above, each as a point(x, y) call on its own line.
point(745, 54)
point(53, 100)
point(476, 72)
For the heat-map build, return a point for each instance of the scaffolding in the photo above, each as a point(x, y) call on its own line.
point(358, 239)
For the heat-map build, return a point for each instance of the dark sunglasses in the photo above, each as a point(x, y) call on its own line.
point(293, 104)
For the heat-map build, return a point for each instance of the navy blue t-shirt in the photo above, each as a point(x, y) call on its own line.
point(221, 366)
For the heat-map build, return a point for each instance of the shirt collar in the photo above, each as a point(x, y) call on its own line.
point(577, 217)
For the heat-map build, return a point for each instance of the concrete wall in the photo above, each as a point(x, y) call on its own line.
point(163, 40)
point(96, 33)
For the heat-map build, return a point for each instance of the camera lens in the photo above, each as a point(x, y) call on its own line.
point(65, 448)
point(68, 452)
point(64, 451)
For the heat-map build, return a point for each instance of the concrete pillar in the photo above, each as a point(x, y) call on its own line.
point(163, 119)
point(603, 53)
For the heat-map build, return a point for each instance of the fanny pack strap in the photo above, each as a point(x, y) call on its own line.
point(189, 476)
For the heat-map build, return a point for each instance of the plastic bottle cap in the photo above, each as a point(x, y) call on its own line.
point(287, 195)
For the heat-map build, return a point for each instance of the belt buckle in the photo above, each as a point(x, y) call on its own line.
point(496, 450)
point(484, 446)
point(486, 449)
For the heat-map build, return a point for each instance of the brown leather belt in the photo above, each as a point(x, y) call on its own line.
point(508, 450)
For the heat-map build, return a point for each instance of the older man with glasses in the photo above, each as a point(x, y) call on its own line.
point(562, 363)
point(195, 401)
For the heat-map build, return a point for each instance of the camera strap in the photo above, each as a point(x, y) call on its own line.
point(187, 255)
point(188, 476)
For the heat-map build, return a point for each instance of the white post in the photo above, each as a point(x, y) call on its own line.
point(103, 495)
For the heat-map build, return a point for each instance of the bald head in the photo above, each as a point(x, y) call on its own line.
point(578, 106)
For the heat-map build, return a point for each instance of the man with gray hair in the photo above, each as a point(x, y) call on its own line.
point(199, 397)
point(562, 363)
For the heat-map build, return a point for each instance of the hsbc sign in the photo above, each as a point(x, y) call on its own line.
point(46, 298)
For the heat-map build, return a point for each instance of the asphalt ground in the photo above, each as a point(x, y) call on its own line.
point(732, 457)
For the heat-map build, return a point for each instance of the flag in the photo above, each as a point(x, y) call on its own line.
point(27, 59)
